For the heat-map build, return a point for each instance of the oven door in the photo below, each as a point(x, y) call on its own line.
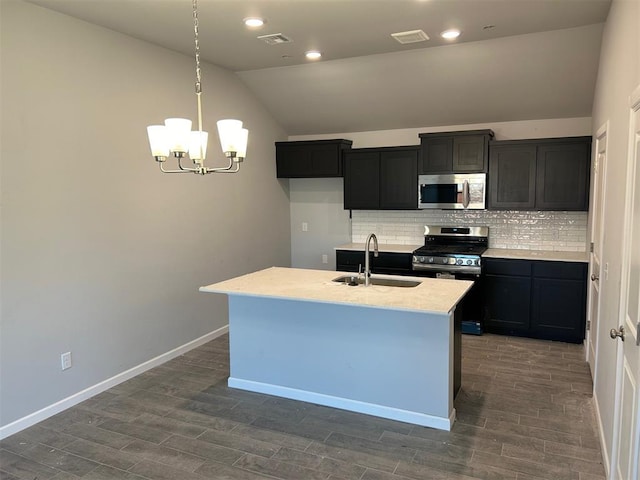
point(452, 191)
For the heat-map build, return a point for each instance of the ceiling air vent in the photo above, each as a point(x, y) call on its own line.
point(412, 36)
point(275, 39)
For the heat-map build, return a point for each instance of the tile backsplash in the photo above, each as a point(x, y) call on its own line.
point(528, 230)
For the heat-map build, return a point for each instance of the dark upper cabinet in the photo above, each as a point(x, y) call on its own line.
point(399, 179)
point(512, 177)
point(543, 174)
point(310, 159)
point(381, 178)
point(562, 180)
point(539, 299)
point(454, 152)
point(362, 180)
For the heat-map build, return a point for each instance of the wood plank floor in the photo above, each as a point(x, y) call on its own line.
point(524, 413)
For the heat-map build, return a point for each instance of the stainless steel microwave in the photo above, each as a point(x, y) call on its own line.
point(452, 191)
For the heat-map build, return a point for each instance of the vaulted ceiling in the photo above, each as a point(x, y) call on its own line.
point(515, 59)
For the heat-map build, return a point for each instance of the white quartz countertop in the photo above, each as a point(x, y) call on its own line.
point(433, 295)
point(536, 255)
point(389, 247)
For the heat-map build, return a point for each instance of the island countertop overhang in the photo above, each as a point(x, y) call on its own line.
point(433, 295)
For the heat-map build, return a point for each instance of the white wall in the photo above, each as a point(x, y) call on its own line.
point(315, 202)
point(618, 75)
point(102, 255)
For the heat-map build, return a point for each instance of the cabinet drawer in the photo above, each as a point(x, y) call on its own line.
point(499, 266)
point(560, 270)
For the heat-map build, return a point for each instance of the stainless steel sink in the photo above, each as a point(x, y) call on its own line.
point(385, 282)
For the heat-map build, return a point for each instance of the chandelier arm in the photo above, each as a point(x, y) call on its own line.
point(172, 171)
point(185, 169)
point(223, 170)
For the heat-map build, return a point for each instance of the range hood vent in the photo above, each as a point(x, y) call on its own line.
point(411, 36)
point(275, 39)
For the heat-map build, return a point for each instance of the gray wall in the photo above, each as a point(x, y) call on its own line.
point(318, 202)
point(102, 255)
point(618, 75)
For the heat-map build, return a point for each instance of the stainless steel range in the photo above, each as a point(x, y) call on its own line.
point(451, 250)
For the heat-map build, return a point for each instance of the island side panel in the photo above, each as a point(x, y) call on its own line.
point(391, 363)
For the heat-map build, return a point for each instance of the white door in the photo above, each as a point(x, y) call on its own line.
point(628, 373)
point(597, 207)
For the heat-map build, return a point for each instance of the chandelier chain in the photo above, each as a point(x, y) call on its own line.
point(197, 46)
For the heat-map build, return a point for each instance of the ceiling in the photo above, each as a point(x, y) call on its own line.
point(515, 59)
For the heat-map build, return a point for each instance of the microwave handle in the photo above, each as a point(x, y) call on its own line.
point(466, 199)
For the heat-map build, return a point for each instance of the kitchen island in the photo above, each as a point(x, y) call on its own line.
point(388, 351)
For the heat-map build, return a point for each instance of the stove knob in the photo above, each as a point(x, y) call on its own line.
point(445, 260)
point(430, 259)
point(469, 262)
point(421, 259)
point(459, 261)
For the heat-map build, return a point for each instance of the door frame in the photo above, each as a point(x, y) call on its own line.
point(602, 198)
point(632, 330)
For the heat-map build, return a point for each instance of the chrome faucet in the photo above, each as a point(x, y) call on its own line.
point(367, 268)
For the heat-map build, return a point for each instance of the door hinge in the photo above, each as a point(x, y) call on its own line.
point(638, 334)
point(591, 247)
point(588, 325)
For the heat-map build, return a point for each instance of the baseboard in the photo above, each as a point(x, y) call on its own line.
point(605, 454)
point(441, 423)
point(46, 412)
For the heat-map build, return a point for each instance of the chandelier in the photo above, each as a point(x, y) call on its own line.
point(176, 138)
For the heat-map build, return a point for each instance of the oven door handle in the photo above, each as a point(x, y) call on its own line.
point(465, 194)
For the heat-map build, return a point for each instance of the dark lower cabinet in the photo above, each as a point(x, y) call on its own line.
point(507, 300)
point(539, 299)
point(389, 263)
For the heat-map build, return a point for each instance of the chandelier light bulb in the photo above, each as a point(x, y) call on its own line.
point(198, 146)
point(158, 141)
point(178, 130)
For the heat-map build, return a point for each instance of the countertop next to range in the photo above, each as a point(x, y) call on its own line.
point(433, 295)
point(509, 253)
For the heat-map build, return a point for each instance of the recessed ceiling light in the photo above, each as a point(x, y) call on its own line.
point(253, 22)
point(450, 34)
point(313, 54)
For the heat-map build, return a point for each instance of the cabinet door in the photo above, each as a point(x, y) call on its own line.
point(399, 180)
point(470, 153)
point(512, 177)
point(507, 302)
point(559, 299)
point(563, 176)
point(362, 180)
point(437, 155)
point(293, 161)
point(558, 311)
point(326, 161)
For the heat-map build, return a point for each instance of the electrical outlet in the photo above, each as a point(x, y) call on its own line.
point(325, 259)
point(65, 360)
point(305, 227)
